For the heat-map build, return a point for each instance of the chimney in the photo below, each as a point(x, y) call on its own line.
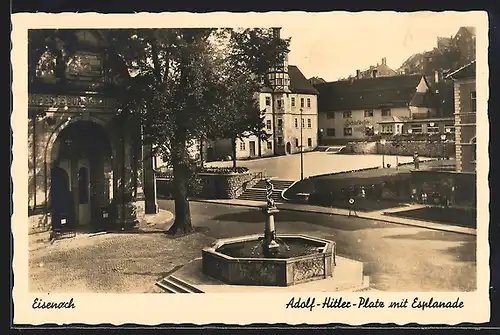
point(384, 61)
point(358, 74)
point(374, 73)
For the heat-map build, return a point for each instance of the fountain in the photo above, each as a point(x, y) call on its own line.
point(269, 259)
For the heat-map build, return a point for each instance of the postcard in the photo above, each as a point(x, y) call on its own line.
point(238, 168)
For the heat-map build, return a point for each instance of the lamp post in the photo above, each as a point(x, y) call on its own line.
point(382, 141)
point(301, 147)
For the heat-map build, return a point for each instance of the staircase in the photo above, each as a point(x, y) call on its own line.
point(172, 284)
point(258, 191)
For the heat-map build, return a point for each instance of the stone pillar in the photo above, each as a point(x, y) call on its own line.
point(270, 246)
point(125, 207)
point(149, 184)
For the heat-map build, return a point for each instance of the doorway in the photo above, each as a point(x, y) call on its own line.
point(288, 148)
point(252, 148)
point(83, 193)
point(60, 200)
point(82, 151)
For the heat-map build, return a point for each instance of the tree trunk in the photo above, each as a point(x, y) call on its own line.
point(182, 220)
point(233, 147)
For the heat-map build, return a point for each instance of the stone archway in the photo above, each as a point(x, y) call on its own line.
point(83, 149)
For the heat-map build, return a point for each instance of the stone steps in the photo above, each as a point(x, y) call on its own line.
point(256, 194)
point(172, 284)
point(278, 184)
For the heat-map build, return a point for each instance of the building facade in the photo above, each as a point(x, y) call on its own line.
point(356, 109)
point(465, 117)
point(84, 153)
point(290, 108)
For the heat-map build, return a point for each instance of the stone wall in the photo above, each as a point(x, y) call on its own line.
point(214, 186)
point(407, 148)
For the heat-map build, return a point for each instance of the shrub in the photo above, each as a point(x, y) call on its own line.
point(224, 170)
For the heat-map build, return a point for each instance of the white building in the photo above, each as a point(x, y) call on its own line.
point(351, 110)
point(291, 118)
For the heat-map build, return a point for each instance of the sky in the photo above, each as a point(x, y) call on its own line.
point(335, 46)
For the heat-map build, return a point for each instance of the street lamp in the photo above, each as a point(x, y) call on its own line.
point(382, 141)
point(301, 147)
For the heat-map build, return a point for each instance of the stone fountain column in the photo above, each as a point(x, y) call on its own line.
point(270, 245)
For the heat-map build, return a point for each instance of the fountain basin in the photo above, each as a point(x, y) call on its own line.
point(230, 261)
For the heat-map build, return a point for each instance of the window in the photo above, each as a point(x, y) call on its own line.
point(302, 102)
point(293, 101)
point(449, 128)
point(269, 145)
point(268, 101)
point(387, 128)
point(473, 101)
point(280, 140)
point(369, 113)
point(474, 150)
point(297, 142)
point(330, 132)
point(280, 123)
point(279, 103)
point(398, 129)
point(309, 123)
point(416, 128)
point(347, 115)
point(309, 142)
point(330, 115)
point(303, 123)
point(347, 131)
point(386, 112)
point(242, 146)
point(279, 81)
point(296, 121)
point(432, 128)
point(268, 124)
point(308, 102)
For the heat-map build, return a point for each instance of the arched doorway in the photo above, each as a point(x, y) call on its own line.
point(288, 148)
point(82, 150)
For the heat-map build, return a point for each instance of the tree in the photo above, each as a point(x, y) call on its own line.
point(184, 89)
point(250, 54)
point(176, 90)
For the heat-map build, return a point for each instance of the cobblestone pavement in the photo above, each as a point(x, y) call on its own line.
point(110, 263)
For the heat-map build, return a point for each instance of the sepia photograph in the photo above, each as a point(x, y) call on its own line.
point(329, 160)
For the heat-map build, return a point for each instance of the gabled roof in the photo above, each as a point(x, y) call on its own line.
point(465, 72)
point(298, 82)
point(369, 93)
point(422, 99)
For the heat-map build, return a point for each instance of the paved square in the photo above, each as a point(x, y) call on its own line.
point(315, 163)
